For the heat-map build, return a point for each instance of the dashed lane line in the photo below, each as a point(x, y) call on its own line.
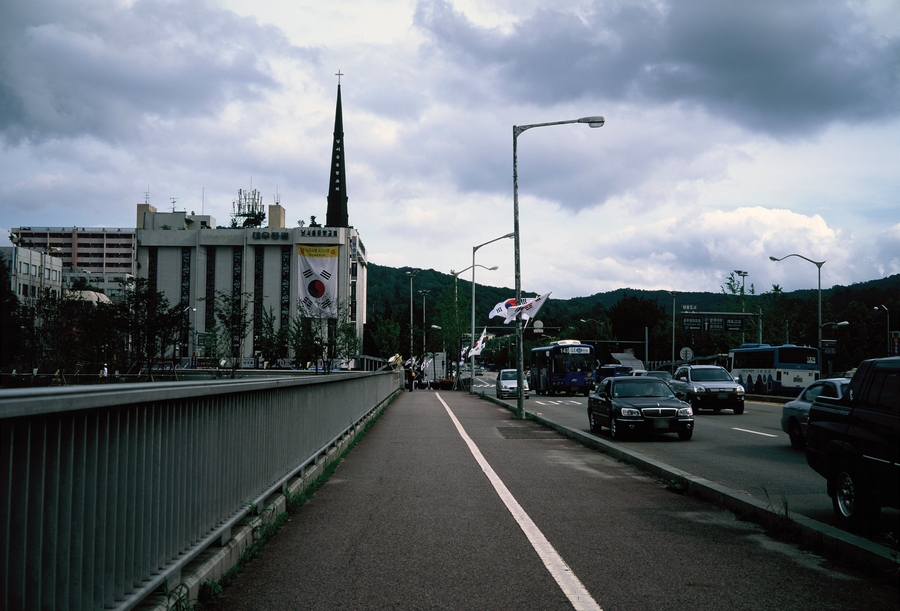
point(734, 428)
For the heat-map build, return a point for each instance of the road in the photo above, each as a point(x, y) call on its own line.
point(749, 453)
point(450, 503)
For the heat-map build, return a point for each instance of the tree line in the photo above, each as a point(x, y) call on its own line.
point(618, 327)
point(68, 336)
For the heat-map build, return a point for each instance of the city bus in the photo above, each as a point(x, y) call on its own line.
point(780, 370)
point(565, 366)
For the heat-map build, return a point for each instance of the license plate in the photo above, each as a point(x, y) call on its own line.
point(660, 424)
point(723, 395)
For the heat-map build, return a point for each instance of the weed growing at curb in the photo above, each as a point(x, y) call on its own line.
point(678, 485)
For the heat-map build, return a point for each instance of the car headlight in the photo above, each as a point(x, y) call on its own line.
point(685, 411)
point(740, 389)
point(699, 389)
point(630, 412)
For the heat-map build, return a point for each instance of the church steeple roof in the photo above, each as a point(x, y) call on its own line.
point(337, 190)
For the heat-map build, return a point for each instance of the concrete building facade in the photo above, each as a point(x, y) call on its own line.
point(101, 256)
point(288, 271)
point(191, 263)
point(33, 273)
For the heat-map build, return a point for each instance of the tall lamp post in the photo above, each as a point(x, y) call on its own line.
point(743, 276)
point(411, 276)
point(888, 312)
point(819, 265)
point(673, 293)
point(520, 353)
point(423, 293)
point(472, 356)
point(456, 298)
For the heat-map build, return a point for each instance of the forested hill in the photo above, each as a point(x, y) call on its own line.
point(389, 287)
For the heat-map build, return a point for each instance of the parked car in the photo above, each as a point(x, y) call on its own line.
point(662, 375)
point(795, 413)
point(854, 443)
point(634, 404)
point(708, 387)
point(507, 384)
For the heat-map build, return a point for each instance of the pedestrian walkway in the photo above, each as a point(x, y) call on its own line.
point(449, 503)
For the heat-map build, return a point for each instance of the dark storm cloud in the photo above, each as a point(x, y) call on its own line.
point(776, 67)
point(104, 70)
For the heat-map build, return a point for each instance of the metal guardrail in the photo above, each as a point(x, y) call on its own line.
point(106, 492)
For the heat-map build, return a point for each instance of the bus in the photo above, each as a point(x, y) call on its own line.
point(565, 366)
point(780, 370)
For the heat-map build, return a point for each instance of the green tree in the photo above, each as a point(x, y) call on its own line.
point(233, 319)
point(272, 342)
point(148, 324)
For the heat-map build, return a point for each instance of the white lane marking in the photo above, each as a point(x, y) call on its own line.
point(754, 432)
point(571, 586)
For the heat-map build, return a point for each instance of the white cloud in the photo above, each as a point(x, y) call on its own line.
point(701, 168)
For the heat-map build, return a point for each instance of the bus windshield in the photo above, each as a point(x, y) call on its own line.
point(564, 361)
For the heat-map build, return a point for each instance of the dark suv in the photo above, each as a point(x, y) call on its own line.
point(708, 387)
point(854, 442)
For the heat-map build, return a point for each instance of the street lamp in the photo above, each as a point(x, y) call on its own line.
point(423, 293)
point(835, 325)
point(819, 265)
point(888, 312)
point(520, 354)
point(472, 356)
point(743, 276)
point(411, 275)
point(456, 303)
point(673, 293)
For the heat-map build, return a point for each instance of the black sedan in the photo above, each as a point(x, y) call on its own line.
point(628, 405)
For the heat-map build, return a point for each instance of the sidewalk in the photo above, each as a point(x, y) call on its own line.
point(409, 520)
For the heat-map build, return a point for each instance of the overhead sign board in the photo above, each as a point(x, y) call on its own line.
point(692, 323)
point(734, 323)
point(714, 323)
point(689, 307)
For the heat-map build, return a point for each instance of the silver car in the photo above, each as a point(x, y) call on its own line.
point(795, 414)
point(507, 384)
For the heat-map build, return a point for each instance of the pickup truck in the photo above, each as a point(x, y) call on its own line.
point(854, 443)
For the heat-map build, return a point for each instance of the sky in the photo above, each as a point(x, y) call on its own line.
point(735, 131)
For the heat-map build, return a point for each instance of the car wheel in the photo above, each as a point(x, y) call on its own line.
point(685, 435)
point(797, 440)
point(595, 426)
point(851, 504)
point(739, 409)
point(614, 430)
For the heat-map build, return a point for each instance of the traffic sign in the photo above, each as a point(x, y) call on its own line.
point(686, 354)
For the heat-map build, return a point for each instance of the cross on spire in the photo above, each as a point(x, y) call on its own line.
point(339, 74)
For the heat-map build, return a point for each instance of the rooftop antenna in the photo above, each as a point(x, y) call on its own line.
point(147, 195)
point(173, 200)
point(247, 209)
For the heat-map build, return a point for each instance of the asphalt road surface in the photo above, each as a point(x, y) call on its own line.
point(749, 453)
point(449, 503)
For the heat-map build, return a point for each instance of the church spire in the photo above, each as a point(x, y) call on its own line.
point(337, 189)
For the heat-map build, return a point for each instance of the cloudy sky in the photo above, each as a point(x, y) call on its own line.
point(734, 130)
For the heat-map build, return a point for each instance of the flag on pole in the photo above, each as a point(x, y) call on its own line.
point(530, 308)
point(479, 345)
point(502, 308)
